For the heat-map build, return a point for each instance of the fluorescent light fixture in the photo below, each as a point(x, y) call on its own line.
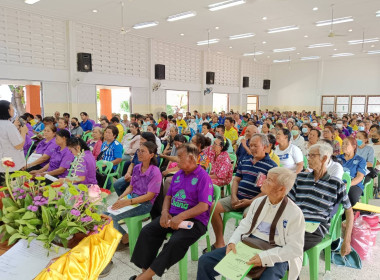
point(94, 11)
point(356, 42)
point(145, 24)
point(206, 42)
point(242, 36)
point(374, 52)
point(31, 2)
point(182, 16)
point(282, 29)
point(310, 57)
point(254, 53)
point(320, 45)
point(280, 60)
point(265, 18)
point(285, 50)
point(334, 21)
point(378, 14)
point(225, 4)
point(342, 54)
point(315, 9)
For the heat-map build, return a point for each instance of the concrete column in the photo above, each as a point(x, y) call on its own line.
point(105, 96)
point(33, 104)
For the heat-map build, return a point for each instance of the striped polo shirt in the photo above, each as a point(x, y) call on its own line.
point(318, 198)
point(248, 173)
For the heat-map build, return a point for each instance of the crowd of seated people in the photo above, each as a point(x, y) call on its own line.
point(176, 161)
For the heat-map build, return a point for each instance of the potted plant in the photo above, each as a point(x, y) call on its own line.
point(52, 213)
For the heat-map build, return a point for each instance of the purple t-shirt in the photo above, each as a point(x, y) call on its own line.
point(149, 181)
point(60, 158)
point(44, 147)
point(87, 169)
point(27, 144)
point(188, 190)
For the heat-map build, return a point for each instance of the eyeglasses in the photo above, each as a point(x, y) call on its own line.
point(313, 155)
point(141, 151)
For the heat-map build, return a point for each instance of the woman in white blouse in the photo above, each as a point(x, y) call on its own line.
point(131, 141)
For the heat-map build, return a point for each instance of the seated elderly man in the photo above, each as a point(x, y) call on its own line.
point(244, 189)
point(289, 232)
point(317, 192)
point(188, 199)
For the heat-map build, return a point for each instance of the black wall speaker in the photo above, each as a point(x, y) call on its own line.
point(210, 78)
point(245, 82)
point(159, 72)
point(84, 62)
point(266, 84)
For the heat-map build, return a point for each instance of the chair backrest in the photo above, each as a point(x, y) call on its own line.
point(209, 168)
point(374, 162)
point(305, 163)
point(233, 159)
point(187, 138)
point(192, 131)
point(158, 131)
point(216, 199)
point(334, 222)
point(347, 178)
point(162, 148)
point(105, 171)
point(30, 149)
point(180, 129)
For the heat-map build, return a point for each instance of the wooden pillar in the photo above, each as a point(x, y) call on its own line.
point(105, 97)
point(33, 104)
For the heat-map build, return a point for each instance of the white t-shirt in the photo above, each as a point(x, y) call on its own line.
point(158, 143)
point(209, 135)
point(300, 143)
point(376, 149)
point(335, 169)
point(10, 137)
point(290, 156)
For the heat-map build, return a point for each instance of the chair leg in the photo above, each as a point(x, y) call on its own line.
point(183, 268)
point(313, 263)
point(208, 243)
point(225, 219)
point(194, 251)
point(133, 233)
point(328, 258)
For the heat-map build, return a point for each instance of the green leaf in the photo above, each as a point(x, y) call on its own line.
point(96, 217)
point(8, 202)
point(29, 215)
point(64, 235)
point(30, 239)
point(42, 237)
point(45, 193)
point(73, 191)
point(88, 212)
point(20, 222)
point(14, 238)
point(31, 226)
point(35, 222)
point(28, 201)
point(83, 188)
point(64, 242)
point(27, 231)
point(10, 229)
point(46, 217)
point(5, 237)
point(51, 236)
point(3, 189)
point(52, 194)
point(63, 224)
point(21, 210)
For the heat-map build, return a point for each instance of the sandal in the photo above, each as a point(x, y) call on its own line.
point(212, 249)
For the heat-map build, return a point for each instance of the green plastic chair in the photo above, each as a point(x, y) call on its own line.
point(187, 138)
point(312, 255)
point(105, 171)
point(233, 159)
point(28, 153)
point(347, 178)
point(305, 163)
point(368, 188)
point(194, 248)
point(134, 225)
point(158, 131)
point(238, 216)
point(87, 136)
point(209, 168)
point(162, 148)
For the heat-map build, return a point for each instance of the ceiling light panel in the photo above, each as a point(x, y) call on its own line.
point(342, 54)
point(182, 16)
point(284, 50)
point(310, 57)
point(145, 24)
point(31, 2)
point(320, 45)
point(378, 14)
point(334, 21)
point(225, 4)
point(253, 53)
point(374, 52)
point(282, 29)
point(206, 42)
point(241, 36)
point(280, 60)
point(356, 42)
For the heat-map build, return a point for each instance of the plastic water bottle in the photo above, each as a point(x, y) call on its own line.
point(327, 276)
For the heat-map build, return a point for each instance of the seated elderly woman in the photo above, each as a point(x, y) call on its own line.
point(95, 144)
point(289, 237)
point(189, 199)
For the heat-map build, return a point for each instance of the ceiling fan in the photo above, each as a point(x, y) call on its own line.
point(123, 30)
point(332, 33)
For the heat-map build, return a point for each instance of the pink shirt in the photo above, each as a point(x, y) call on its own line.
point(220, 166)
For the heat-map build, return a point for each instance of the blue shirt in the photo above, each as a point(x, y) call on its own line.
point(39, 127)
point(221, 120)
point(248, 173)
point(86, 126)
point(112, 151)
point(241, 152)
point(353, 166)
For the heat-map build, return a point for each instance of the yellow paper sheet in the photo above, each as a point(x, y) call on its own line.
point(367, 207)
point(234, 266)
point(311, 226)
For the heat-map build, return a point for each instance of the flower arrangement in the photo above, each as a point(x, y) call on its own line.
point(49, 213)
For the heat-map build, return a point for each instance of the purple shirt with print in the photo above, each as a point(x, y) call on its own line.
point(60, 158)
point(44, 147)
point(149, 181)
point(188, 190)
point(87, 168)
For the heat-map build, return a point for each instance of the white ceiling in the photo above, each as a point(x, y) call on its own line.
point(232, 21)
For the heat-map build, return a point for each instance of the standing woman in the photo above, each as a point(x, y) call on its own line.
point(86, 172)
point(355, 165)
point(60, 158)
point(11, 140)
point(44, 148)
point(28, 140)
point(96, 142)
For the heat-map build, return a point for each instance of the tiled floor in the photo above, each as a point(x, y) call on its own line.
point(123, 268)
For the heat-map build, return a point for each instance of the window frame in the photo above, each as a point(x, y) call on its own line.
point(257, 102)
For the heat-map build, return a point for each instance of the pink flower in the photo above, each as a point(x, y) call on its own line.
point(94, 193)
point(78, 202)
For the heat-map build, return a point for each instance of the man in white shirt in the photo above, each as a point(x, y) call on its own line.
point(289, 233)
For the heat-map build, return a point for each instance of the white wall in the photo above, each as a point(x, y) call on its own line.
point(301, 85)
